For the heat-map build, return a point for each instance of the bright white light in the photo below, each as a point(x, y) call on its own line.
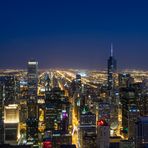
point(111, 132)
point(11, 106)
point(32, 63)
point(82, 74)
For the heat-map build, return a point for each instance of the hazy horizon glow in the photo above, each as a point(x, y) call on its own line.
point(73, 34)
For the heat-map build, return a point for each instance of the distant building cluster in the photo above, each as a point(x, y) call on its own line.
point(58, 108)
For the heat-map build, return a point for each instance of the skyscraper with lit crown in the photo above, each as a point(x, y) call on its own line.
point(32, 121)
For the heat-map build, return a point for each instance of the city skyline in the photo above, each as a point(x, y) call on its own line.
point(73, 74)
point(68, 34)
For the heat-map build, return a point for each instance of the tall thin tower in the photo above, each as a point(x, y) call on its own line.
point(32, 121)
point(32, 87)
point(112, 67)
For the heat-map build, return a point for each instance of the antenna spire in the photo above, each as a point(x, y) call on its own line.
point(111, 50)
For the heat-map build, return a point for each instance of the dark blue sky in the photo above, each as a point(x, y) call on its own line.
point(73, 33)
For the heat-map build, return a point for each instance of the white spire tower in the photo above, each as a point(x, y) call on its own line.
point(111, 50)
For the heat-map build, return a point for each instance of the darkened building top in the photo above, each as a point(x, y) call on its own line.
point(68, 146)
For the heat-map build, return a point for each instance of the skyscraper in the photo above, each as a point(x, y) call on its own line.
point(9, 89)
point(128, 98)
point(102, 134)
point(87, 130)
point(32, 79)
point(141, 136)
point(8, 116)
point(32, 122)
point(1, 115)
point(32, 87)
point(11, 121)
point(133, 114)
point(125, 80)
point(112, 67)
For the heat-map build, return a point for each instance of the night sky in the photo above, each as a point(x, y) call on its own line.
point(73, 33)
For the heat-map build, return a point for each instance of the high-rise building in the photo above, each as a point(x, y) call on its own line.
point(47, 83)
point(32, 88)
point(141, 97)
point(87, 130)
point(133, 114)
point(125, 80)
point(32, 129)
point(32, 121)
point(57, 110)
point(133, 100)
point(104, 111)
point(144, 105)
point(141, 135)
point(11, 121)
point(103, 132)
point(9, 93)
point(1, 115)
point(112, 67)
point(88, 119)
point(32, 79)
point(8, 116)
point(127, 96)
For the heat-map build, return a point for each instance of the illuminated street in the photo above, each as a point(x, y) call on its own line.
point(73, 74)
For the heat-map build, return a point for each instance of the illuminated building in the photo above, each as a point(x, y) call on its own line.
point(133, 114)
point(1, 115)
point(77, 89)
point(104, 111)
point(103, 132)
point(56, 110)
point(23, 98)
point(79, 106)
point(10, 112)
point(47, 83)
point(32, 79)
point(112, 67)
point(32, 75)
point(133, 99)
point(23, 113)
point(141, 97)
point(76, 85)
point(125, 80)
point(32, 121)
point(87, 130)
point(127, 96)
point(32, 129)
point(144, 105)
point(11, 121)
point(9, 89)
point(141, 136)
point(88, 119)
point(56, 116)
